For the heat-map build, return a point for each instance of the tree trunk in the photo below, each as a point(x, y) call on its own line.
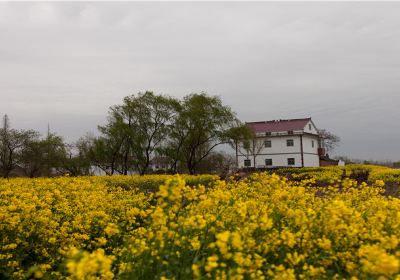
point(125, 168)
point(254, 154)
point(191, 167)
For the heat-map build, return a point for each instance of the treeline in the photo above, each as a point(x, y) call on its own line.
point(146, 130)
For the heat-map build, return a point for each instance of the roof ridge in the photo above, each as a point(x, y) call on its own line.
point(281, 120)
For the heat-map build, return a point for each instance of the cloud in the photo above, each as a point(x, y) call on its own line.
point(43, 13)
point(89, 16)
point(336, 62)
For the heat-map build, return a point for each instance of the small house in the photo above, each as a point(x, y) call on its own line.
point(281, 143)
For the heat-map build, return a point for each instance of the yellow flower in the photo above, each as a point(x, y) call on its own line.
point(111, 229)
point(195, 270)
point(195, 243)
point(212, 263)
point(324, 243)
point(223, 236)
point(88, 265)
point(376, 261)
point(38, 274)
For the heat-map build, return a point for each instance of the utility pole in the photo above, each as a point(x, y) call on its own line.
point(48, 149)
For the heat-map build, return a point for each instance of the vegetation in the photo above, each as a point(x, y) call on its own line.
point(145, 127)
point(330, 140)
point(148, 125)
point(325, 176)
point(265, 226)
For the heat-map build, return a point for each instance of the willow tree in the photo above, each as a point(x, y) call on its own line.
point(145, 120)
point(202, 124)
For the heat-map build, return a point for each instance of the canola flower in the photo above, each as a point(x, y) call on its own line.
point(262, 227)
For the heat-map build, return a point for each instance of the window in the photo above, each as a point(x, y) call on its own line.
point(290, 143)
point(290, 132)
point(290, 161)
point(309, 126)
point(267, 133)
point(267, 143)
point(268, 161)
point(247, 162)
point(312, 143)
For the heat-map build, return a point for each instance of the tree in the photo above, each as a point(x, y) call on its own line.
point(177, 133)
point(219, 163)
point(329, 140)
point(109, 152)
point(43, 157)
point(203, 123)
point(77, 162)
point(256, 145)
point(144, 120)
point(12, 142)
point(240, 139)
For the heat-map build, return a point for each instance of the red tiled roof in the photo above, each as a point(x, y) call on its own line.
point(278, 125)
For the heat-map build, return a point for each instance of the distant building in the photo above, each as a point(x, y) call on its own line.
point(160, 163)
point(282, 143)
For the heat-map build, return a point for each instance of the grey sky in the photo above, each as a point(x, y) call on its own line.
point(66, 63)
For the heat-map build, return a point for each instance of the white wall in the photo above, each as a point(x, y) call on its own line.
point(277, 160)
point(279, 152)
point(310, 156)
point(311, 160)
point(307, 144)
point(278, 145)
point(281, 160)
point(313, 129)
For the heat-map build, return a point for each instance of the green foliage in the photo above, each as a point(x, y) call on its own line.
point(78, 161)
point(151, 183)
point(12, 144)
point(147, 125)
point(144, 120)
point(43, 157)
point(203, 123)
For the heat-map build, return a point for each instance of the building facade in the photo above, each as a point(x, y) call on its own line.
point(281, 143)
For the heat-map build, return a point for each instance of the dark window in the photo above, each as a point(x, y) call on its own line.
point(309, 126)
point(267, 143)
point(268, 133)
point(312, 143)
point(290, 143)
point(247, 162)
point(268, 161)
point(290, 161)
point(290, 132)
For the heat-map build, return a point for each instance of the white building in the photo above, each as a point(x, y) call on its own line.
point(281, 143)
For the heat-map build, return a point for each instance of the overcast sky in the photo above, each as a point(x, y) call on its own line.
point(66, 63)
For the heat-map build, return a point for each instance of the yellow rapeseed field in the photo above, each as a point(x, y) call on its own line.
point(261, 227)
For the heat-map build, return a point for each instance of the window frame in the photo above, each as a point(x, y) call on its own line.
point(289, 160)
point(265, 144)
point(269, 160)
point(247, 165)
point(291, 141)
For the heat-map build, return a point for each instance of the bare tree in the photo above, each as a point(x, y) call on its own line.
point(250, 148)
point(329, 140)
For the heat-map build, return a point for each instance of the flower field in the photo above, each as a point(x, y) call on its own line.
point(264, 226)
